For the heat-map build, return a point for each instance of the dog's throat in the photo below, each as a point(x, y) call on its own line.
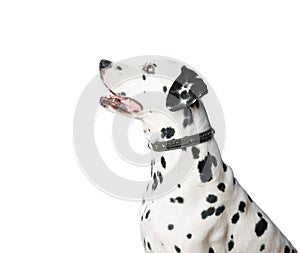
point(184, 142)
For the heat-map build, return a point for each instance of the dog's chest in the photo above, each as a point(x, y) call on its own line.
point(184, 215)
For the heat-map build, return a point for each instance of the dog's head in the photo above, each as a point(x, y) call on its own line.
point(183, 91)
point(179, 86)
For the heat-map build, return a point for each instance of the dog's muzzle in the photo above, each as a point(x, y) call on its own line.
point(125, 104)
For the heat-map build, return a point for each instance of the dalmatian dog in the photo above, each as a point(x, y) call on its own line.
point(208, 211)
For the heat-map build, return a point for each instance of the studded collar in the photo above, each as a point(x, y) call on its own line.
point(184, 142)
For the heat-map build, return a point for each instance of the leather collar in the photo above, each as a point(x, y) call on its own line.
point(184, 142)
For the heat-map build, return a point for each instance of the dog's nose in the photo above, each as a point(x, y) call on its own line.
point(104, 63)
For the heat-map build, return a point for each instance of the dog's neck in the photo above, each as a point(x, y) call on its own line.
point(161, 127)
point(193, 120)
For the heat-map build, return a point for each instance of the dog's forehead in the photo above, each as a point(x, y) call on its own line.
point(141, 69)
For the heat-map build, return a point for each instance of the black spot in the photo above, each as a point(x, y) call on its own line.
point(184, 95)
point(152, 164)
point(147, 214)
point(189, 236)
point(187, 112)
point(165, 89)
point(204, 168)
point(149, 245)
point(262, 247)
point(180, 200)
point(163, 162)
point(167, 132)
point(211, 198)
point(220, 210)
point(177, 249)
point(142, 218)
point(170, 227)
point(235, 218)
point(242, 206)
point(144, 77)
point(231, 237)
point(204, 214)
point(261, 227)
point(211, 250)
point(185, 123)
point(210, 211)
point(195, 152)
point(230, 245)
point(221, 187)
point(259, 214)
point(224, 167)
point(287, 249)
point(250, 199)
point(234, 180)
point(160, 177)
point(178, 185)
point(188, 117)
point(214, 161)
point(155, 182)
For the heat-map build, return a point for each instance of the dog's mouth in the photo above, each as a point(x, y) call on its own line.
point(121, 103)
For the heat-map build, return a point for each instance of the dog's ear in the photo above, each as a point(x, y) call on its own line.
point(185, 90)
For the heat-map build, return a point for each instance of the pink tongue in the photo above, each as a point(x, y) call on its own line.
point(128, 104)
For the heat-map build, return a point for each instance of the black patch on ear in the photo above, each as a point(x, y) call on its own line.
point(185, 90)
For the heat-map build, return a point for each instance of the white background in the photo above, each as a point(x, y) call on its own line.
point(248, 51)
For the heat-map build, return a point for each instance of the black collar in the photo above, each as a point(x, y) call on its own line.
point(184, 142)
